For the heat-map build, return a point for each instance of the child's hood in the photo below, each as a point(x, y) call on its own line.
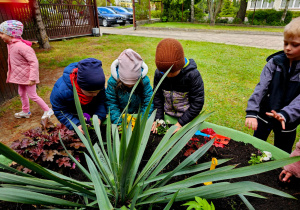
point(189, 65)
point(66, 75)
point(114, 68)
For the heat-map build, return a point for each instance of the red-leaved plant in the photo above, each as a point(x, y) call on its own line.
point(194, 143)
point(42, 145)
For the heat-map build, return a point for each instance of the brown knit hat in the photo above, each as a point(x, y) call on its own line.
point(168, 52)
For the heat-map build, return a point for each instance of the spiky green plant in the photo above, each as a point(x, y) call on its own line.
point(115, 179)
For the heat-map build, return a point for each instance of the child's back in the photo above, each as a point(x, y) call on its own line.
point(181, 94)
point(126, 70)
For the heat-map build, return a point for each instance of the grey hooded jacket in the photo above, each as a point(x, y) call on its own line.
point(278, 89)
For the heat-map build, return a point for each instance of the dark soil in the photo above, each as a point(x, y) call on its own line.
point(240, 154)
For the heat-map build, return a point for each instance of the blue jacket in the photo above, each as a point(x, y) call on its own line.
point(116, 104)
point(63, 104)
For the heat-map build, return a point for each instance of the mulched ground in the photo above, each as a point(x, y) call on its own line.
point(240, 154)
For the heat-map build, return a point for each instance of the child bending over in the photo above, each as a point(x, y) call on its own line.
point(125, 72)
point(181, 94)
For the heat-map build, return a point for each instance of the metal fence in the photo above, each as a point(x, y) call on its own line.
point(62, 19)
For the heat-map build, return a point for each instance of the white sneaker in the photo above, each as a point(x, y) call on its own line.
point(22, 114)
point(47, 114)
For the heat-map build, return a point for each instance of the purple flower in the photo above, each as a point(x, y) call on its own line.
point(87, 118)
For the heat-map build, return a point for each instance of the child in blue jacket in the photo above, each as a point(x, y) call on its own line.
point(89, 80)
point(125, 72)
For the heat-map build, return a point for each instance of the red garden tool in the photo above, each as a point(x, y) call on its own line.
point(218, 138)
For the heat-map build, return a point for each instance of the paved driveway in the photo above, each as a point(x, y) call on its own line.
point(269, 40)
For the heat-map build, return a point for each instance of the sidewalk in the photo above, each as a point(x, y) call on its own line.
point(266, 40)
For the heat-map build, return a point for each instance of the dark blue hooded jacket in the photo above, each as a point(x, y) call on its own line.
point(63, 104)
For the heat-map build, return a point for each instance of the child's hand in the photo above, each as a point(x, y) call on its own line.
point(278, 117)
point(178, 127)
point(80, 128)
point(251, 123)
point(31, 82)
point(153, 129)
point(285, 176)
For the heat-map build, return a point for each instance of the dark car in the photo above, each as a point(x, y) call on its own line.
point(122, 11)
point(108, 17)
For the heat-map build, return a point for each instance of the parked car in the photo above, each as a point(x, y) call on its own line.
point(122, 11)
point(108, 17)
point(129, 9)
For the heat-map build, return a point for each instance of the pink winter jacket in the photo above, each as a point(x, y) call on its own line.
point(294, 168)
point(23, 64)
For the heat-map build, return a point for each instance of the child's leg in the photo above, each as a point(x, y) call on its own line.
point(263, 130)
point(284, 139)
point(24, 98)
point(31, 91)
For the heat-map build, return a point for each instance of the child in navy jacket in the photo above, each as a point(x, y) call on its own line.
point(89, 80)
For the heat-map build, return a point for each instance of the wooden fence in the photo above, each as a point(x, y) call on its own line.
point(62, 19)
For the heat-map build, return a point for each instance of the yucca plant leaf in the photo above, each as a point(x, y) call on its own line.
point(84, 171)
point(129, 158)
point(80, 115)
point(254, 195)
point(193, 158)
point(186, 170)
point(98, 133)
point(9, 153)
point(218, 190)
point(15, 171)
point(169, 205)
point(102, 197)
point(16, 179)
point(246, 202)
point(37, 189)
point(142, 148)
point(28, 197)
point(215, 175)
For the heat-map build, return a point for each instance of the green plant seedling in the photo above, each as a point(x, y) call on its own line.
point(199, 204)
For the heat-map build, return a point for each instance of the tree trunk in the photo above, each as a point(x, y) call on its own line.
point(285, 11)
point(42, 37)
point(214, 8)
point(242, 11)
point(192, 12)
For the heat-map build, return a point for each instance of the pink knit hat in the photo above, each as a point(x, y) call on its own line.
point(130, 64)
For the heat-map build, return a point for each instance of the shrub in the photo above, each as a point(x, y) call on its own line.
point(42, 145)
point(155, 13)
point(198, 13)
point(269, 17)
point(296, 14)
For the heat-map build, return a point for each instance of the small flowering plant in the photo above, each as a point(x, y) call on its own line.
point(88, 121)
point(257, 159)
point(162, 126)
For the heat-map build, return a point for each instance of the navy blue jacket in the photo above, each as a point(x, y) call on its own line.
point(63, 104)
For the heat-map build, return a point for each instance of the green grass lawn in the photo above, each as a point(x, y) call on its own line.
point(208, 27)
point(230, 73)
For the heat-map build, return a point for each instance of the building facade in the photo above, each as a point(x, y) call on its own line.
point(294, 5)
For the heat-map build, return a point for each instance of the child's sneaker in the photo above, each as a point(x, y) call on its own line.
point(47, 114)
point(22, 114)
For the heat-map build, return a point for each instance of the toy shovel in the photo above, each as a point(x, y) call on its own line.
point(218, 138)
point(214, 163)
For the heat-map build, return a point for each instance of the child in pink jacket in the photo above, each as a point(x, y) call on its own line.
point(23, 67)
point(292, 169)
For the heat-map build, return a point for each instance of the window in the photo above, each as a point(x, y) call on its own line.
point(263, 4)
point(292, 4)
